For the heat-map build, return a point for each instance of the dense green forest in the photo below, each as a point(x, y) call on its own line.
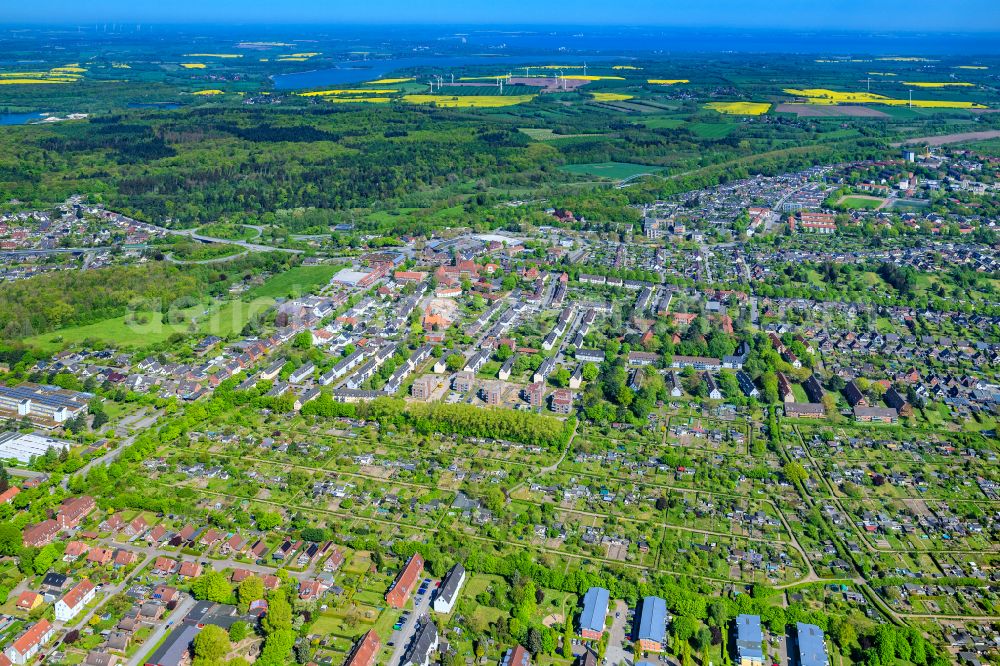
point(201, 165)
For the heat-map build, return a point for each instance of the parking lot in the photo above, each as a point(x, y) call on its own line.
point(405, 628)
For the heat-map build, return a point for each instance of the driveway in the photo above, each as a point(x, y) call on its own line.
point(617, 640)
point(402, 637)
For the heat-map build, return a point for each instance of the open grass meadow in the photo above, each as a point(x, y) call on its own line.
point(141, 329)
point(300, 280)
point(611, 170)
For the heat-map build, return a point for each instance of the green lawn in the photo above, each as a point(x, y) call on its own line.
point(612, 170)
point(118, 331)
point(126, 331)
point(861, 202)
point(301, 280)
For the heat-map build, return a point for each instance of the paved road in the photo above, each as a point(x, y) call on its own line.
point(107, 591)
point(218, 260)
point(137, 422)
point(217, 564)
point(617, 640)
point(405, 634)
point(179, 613)
point(192, 233)
point(25, 473)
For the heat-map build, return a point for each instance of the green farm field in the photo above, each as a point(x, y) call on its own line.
point(611, 170)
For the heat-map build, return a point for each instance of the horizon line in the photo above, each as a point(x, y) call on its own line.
point(536, 26)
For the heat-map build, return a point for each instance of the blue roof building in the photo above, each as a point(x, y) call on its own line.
point(595, 610)
point(749, 640)
point(812, 648)
point(652, 627)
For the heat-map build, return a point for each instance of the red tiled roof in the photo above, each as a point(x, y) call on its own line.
point(31, 637)
point(366, 650)
point(76, 595)
point(27, 599)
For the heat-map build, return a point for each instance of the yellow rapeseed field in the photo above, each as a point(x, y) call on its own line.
point(388, 82)
point(936, 84)
point(207, 92)
point(351, 100)
point(824, 96)
point(740, 108)
point(666, 82)
point(193, 65)
point(70, 73)
point(469, 101)
point(591, 77)
point(349, 91)
point(609, 97)
point(971, 67)
point(11, 82)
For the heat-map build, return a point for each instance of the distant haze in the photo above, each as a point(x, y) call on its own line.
point(867, 15)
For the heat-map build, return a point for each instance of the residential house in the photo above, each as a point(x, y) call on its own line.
point(40, 534)
point(405, 582)
point(74, 510)
point(447, 593)
point(29, 643)
point(189, 569)
point(28, 601)
point(74, 601)
point(100, 556)
point(365, 651)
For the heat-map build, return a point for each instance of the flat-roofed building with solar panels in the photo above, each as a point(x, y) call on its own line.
point(812, 647)
point(21, 447)
point(749, 641)
point(595, 610)
point(45, 406)
point(652, 628)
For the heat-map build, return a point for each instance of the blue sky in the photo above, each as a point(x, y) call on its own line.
point(874, 15)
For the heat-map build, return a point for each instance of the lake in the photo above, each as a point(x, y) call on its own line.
point(20, 118)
